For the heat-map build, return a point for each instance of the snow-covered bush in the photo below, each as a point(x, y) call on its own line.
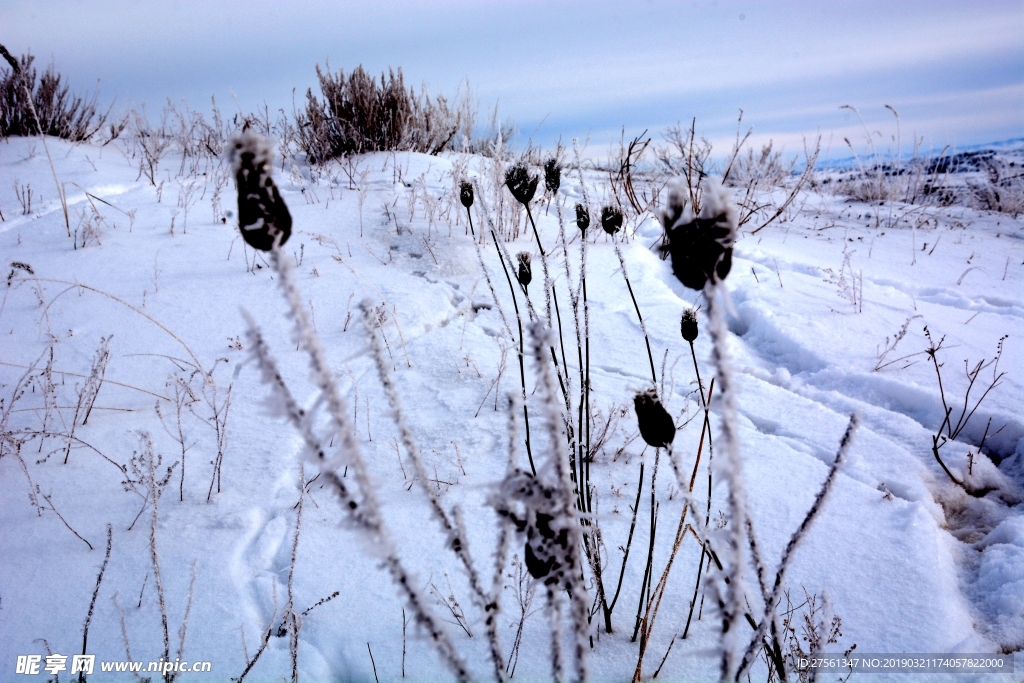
point(358, 114)
point(57, 111)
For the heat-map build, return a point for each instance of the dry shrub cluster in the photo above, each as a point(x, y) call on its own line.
point(60, 113)
point(981, 180)
point(360, 114)
point(984, 179)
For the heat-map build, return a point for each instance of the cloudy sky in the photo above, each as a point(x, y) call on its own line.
point(953, 70)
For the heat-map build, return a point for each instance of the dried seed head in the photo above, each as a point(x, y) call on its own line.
point(611, 219)
point(547, 543)
point(262, 214)
point(534, 510)
point(656, 426)
point(525, 274)
point(521, 183)
point(552, 176)
point(466, 193)
point(688, 325)
point(701, 246)
point(582, 218)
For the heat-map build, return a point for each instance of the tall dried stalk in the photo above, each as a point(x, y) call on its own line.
point(365, 512)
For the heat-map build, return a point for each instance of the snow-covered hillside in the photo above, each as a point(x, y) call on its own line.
point(145, 301)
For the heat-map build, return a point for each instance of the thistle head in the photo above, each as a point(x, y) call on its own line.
point(688, 325)
point(656, 425)
point(533, 509)
point(521, 183)
point(552, 176)
point(582, 218)
point(263, 216)
point(700, 246)
point(525, 273)
point(611, 219)
point(466, 193)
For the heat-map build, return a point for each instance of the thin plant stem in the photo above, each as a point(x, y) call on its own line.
point(643, 327)
point(95, 594)
point(771, 607)
point(522, 367)
point(625, 555)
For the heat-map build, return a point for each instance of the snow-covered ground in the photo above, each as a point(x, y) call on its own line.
point(907, 560)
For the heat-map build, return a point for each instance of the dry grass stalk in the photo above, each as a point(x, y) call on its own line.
point(771, 606)
point(455, 537)
point(365, 513)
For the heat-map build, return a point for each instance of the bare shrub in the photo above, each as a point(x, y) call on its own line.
point(686, 157)
point(58, 111)
point(150, 143)
point(1000, 189)
point(807, 629)
point(359, 114)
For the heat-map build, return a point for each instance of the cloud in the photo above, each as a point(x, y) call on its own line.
point(578, 66)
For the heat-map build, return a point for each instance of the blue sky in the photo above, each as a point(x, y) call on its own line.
point(954, 70)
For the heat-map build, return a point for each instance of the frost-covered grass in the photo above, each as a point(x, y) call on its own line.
point(137, 320)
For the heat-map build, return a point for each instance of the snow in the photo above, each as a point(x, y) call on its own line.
point(910, 562)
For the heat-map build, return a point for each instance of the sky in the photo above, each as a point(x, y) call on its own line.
point(953, 70)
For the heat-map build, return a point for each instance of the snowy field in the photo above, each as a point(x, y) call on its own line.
point(126, 361)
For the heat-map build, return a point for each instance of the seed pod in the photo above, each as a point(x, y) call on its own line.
point(545, 546)
point(552, 176)
point(521, 183)
point(656, 426)
point(582, 218)
point(701, 246)
point(525, 274)
point(262, 214)
point(535, 511)
point(688, 325)
point(611, 219)
point(466, 193)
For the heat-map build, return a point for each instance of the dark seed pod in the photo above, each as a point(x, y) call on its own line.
point(262, 214)
point(538, 568)
point(611, 219)
point(582, 218)
point(525, 274)
point(535, 511)
point(552, 176)
point(466, 193)
point(688, 325)
point(521, 183)
point(656, 426)
point(701, 246)
point(545, 546)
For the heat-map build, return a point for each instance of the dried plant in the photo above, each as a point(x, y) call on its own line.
point(700, 245)
point(359, 114)
point(952, 426)
point(656, 425)
point(890, 346)
point(552, 176)
point(611, 219)
point(524, 273)
point(30, 104)
point(151, 143)
point(582, 218)
point(849, 283)
point(19, 84)
point(263, 217)
point(688, 326)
